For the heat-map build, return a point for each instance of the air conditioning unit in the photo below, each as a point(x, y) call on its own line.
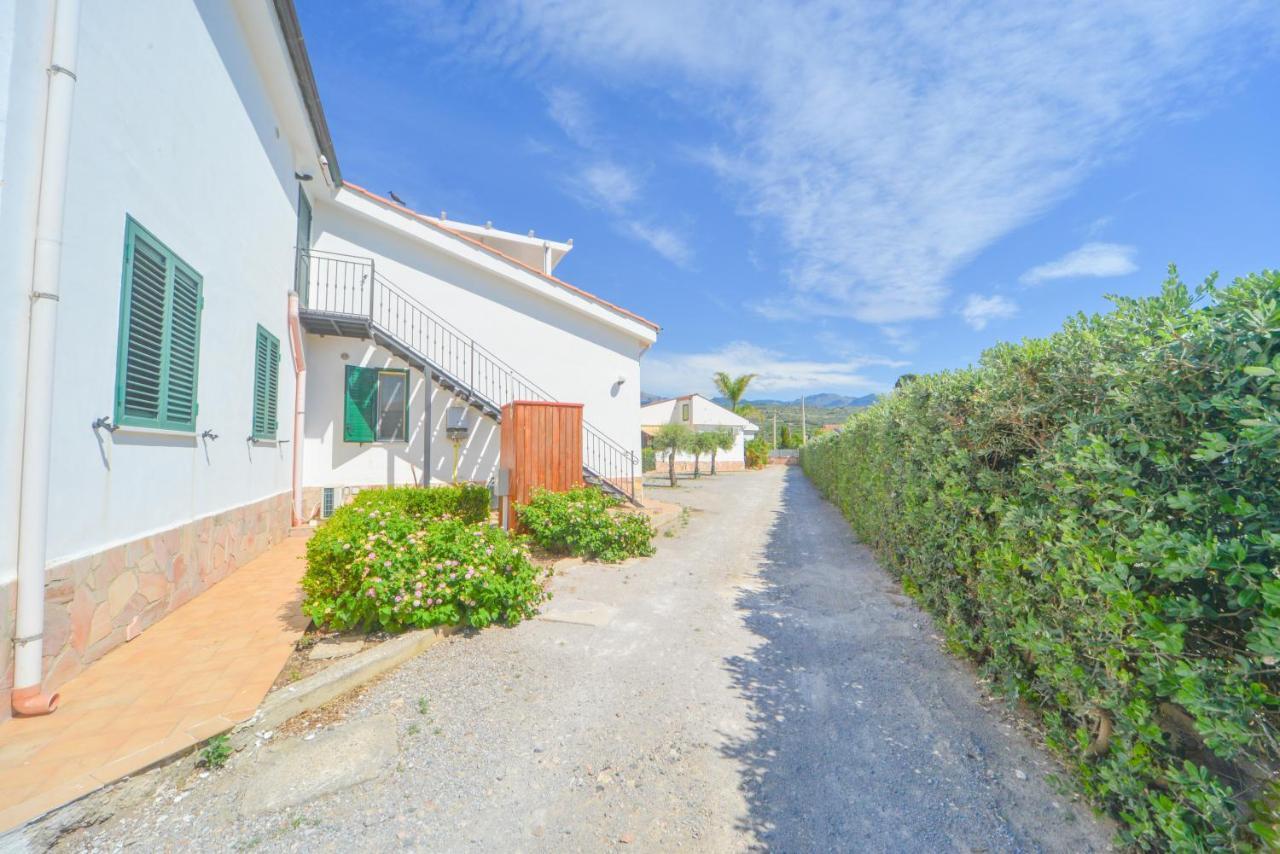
point(333, 497)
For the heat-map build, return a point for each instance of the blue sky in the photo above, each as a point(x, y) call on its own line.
point(828, 195)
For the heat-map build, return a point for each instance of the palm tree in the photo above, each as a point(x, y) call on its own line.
point(672, 438)
point(733, 387)
point(724, 441)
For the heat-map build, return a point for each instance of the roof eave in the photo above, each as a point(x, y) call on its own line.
point(291, 28)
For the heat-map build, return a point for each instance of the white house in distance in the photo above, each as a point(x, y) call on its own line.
point(701, 414)
point(210, 336)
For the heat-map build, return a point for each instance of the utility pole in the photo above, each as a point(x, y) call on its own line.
point(775, 428)
point(804, 430)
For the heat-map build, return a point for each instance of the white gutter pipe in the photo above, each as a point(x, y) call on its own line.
point(299, 404)
point(33, 500)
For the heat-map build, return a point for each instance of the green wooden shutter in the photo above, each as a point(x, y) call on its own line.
point(140, 379)
point(159, 351)
point(361, 406)
point(184, 350)
point(266, 384)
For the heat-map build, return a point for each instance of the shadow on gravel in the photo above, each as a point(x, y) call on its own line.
point(864, 735)
point(795, 801)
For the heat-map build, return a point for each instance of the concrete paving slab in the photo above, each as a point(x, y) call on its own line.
point(563, 609)
point(297, 771)
point(326, 650)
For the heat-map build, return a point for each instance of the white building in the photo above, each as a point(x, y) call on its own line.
point(170, 407)
point(699, 414)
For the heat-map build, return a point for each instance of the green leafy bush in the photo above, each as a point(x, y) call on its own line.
point(1096, 518)
point(579, 522)
point(468, 502)
point(756, 453)
point(649, 460)
point(392, 570)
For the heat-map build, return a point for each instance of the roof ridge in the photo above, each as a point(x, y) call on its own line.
point(428, 221)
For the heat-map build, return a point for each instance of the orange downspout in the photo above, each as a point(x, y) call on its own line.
point(299, 404)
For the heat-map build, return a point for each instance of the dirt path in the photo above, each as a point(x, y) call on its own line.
point(759, 683)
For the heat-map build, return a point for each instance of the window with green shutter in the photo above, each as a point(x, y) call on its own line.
point(159, 359)
point(266, 384)
point(376, 405)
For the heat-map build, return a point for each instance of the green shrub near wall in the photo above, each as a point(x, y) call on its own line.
point(756, 453)
point(580, 522)
point(1095, 517)
point(468, 501)
point(408, 557)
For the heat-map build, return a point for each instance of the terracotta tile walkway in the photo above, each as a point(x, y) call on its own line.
point(193, 674)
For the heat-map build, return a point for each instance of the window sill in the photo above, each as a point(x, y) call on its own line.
point(131, 429)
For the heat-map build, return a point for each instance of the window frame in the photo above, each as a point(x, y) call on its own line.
point(376, 423)
point(403, 374)
point(172, 263)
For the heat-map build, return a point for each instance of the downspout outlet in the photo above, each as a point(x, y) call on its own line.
point(32, 702)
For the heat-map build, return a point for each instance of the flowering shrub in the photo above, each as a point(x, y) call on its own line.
point(382, 570)
point(578, 522)
point(1095, 516)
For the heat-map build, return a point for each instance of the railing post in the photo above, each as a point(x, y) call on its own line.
point(372, 282)
point(473, 366)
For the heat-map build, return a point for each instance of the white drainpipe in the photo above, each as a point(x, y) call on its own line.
point(33, 502)
point(299, 404)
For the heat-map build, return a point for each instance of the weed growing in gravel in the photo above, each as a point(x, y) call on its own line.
point(216, 752)
point(579, 523)
point(413, 729)
point(424, 705)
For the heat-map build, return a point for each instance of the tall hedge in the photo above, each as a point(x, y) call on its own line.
point(1095, 516)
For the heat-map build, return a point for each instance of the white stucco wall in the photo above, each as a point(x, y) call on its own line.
point(173, 126)
point(572, 353)
point(329, 461)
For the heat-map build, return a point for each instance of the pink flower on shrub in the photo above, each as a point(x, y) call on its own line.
point(371, 593)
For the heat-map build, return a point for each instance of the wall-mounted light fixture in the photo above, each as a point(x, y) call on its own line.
point(104, 423)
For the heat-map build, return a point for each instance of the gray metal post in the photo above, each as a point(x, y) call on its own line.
point(426, 430)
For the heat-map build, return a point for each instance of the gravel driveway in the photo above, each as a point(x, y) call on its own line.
point(759, 683)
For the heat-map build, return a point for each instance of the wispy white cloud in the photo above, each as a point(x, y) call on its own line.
point(887, 144)
point(606, 185)
point(979, 310)
point(665, 241)
point(569, 110)
point(1092, 260)
point(680, 373)
point(901, 338)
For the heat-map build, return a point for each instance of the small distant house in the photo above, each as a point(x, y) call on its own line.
point(700, 414)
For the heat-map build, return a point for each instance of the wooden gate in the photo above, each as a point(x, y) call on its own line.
point(541, 447)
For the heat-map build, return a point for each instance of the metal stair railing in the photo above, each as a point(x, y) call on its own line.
point(350, 290)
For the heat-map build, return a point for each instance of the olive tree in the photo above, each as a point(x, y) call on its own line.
point(724, 440)
point(672, 438)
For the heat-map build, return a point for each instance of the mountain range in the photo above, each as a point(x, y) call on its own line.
point(826, 400)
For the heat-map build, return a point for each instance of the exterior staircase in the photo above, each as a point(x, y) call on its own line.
point(345, 295)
